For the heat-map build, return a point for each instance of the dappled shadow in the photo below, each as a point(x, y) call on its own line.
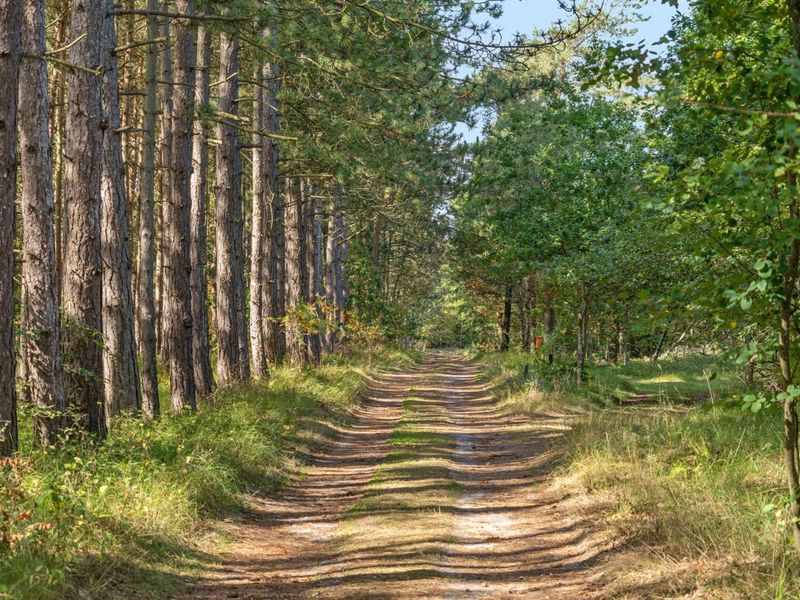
point(510, 534)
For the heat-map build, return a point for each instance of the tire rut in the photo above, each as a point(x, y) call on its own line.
point(498, 527)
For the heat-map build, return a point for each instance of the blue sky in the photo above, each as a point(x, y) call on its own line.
point(522, 16)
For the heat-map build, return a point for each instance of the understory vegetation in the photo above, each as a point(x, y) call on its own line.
point(687, 479)
point(126, 519)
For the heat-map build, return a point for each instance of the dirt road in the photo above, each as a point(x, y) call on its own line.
point(433, 493)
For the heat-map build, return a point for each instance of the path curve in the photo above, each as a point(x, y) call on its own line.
point(434, 492)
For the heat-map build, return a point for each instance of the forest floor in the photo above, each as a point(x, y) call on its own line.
point(433, 492)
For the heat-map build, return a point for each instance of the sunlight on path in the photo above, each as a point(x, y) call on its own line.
point(433, 493)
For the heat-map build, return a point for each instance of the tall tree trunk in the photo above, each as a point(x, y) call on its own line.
point(44, 383)
point(145, 278)
point(332, 272)
point(82, 284)
point(274, 291)
point(343, 277)
point(313, 338)
point(524, 330)
point(583, 335)
point(10, 52)
point(177, 258)
point(57, 126)
point(549, 330)
point(533, 307)
point(201, 351)
point(165, 176)
point(295, 340)
point(259, 222)
point(790, 420)
point(232, 363)
point(120, 366)
point(790, 278)
point(657, 352)
point(317, 273)
point(505, 332)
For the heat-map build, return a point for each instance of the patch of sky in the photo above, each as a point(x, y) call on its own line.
point(525, 16)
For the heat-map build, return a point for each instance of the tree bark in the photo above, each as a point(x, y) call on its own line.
point(201, 349)
point(44, 384)
point(622, 344)
point(343, 277)
point(165, 178)
point(120, 365)
point(317, 272)
point(790, 278)
point(10, 52)
point(311, 269)
point(583, 334)
point(177, 231)
point(657, 352)
point(549, 330)
point(505, 332)
point(332, 273)
point(57, 127)
point(145, 273)
point(295, 340)
point(82, 283)
point(259, 240)
point(232, 361)
point(274, 291)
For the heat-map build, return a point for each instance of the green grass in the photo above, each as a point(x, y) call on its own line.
point(683, 379)
point(697, 488)
point(131, 517)
point(408, 503)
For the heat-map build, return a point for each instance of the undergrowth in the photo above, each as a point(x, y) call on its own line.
point(132, 516)
point(695, 483)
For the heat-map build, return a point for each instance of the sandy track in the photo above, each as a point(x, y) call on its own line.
point(505, 533)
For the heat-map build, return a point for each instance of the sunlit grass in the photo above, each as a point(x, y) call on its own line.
point(694, 484)
point(127, 518)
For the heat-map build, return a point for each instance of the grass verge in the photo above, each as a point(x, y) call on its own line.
point(696, 491)
point(408, 504)
point(132, 516)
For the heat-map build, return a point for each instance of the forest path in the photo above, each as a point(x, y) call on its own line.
point(433, 493)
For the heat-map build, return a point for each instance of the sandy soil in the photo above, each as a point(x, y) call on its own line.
point(359, 526)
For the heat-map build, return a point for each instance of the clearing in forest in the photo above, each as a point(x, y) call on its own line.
point(432, 493)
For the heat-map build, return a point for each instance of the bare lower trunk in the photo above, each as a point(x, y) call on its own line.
point(57, 126)
point(145, 278)
point(258, 235)
point(524, 330)
point(44, 385)
point(657, 352)
point(313, 338)
point(295, 340)
point(344, 261)
point(120, 366)
point(317, 273)
point(82, 284)
point(177, 259)
point(583, 335)
point(332, 272)
point(232, 362)
point(505, 331)
point(790, 423)
point(622, 345)
point(10, 51)
point(201, 352)
point(549, 331)
point(790, 419)
point(274, 296)
point(165, 178)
